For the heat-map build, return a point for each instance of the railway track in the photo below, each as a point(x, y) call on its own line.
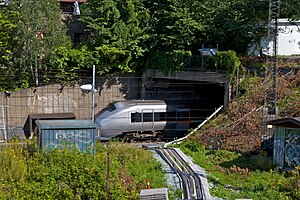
point(190, 181)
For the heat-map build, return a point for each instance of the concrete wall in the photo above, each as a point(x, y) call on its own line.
point(195, 89)
point(57, 99)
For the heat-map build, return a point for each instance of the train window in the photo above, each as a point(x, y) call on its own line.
point(147, 117)
point(110, 107)
point(183, 116)
point(160, 116)
point(136, 117)
point(171, 116)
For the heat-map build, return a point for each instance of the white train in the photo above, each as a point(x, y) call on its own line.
point(144, 118)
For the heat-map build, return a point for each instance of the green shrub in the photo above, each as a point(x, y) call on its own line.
point(65, 174)
point(229, 61)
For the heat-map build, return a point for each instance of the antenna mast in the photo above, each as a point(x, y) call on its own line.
point(270, 82)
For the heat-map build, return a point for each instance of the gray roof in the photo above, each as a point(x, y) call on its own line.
point(66, 124)
point(289, 122)
point(138, 102)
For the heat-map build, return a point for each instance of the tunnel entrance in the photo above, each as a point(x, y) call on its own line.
point(199, 92)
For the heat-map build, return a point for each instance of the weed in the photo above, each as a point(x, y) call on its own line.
point(237, 176)
point(69, 174)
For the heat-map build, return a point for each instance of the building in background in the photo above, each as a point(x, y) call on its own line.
point(288, 41)
point(70, 15)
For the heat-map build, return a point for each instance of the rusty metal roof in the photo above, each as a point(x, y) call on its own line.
point(289, 122)
point(52, 116)
point(30, 124)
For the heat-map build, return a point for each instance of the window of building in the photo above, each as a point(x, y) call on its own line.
point(77, 38)
point(66, 7)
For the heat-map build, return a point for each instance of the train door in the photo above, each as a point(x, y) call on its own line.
point(147, 119)
point(135, 121)
point(182, 119)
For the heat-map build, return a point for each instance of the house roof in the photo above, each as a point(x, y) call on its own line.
point(289, 122)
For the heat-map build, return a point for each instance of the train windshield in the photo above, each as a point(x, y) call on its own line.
point(110, 107)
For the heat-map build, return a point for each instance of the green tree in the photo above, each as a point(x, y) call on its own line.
point(179, 28)
point(235, 24)
point(118, 31)
point(176, 30)
point(66, 63)
point(228, 61)
point(290, 9)
point(40, 30)
point(6, 27)
point(6, 30)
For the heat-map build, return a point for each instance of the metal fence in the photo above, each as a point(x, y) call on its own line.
point(54, 98)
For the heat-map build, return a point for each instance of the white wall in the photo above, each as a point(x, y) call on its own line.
point(288, 40)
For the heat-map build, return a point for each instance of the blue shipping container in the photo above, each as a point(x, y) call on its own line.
point(80, 134)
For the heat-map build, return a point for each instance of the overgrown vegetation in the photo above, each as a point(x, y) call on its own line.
point(238, 168)
point(238, 176)
point(31, 174)
point(228, 60)
point(239, 127)
point(122, 36)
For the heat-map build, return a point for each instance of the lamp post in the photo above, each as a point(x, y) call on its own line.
point(90, 87)
point(93, 95)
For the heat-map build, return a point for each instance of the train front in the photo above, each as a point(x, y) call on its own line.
point(108, 120)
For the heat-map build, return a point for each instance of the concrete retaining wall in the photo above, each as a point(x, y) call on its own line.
point(57, 99)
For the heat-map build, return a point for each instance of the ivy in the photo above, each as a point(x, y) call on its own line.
point(227, 60)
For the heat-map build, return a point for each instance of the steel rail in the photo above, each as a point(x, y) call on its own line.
point(191, 184)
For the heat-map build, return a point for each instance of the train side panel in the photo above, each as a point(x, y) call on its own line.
point(129, 117)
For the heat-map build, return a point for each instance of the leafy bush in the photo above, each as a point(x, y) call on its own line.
point(227, 60)
point(65, 174)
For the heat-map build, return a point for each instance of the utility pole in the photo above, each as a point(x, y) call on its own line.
point(108, 174)
point(270, 82)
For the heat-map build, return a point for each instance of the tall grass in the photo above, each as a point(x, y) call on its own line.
point(237, 176)
point(28, 173)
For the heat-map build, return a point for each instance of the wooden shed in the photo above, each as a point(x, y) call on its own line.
point(286, 152)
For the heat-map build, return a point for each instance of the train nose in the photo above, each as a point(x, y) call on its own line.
point(102, 136)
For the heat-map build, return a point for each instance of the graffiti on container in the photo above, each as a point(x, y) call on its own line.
point(292, 149)
point(51, 102)
point(80, 139)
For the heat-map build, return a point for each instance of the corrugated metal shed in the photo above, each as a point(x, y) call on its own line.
point(30, 125)
point(290, 122)
point(66, 124)
point(79, 134)
point(154, 194)
point(286, 152)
